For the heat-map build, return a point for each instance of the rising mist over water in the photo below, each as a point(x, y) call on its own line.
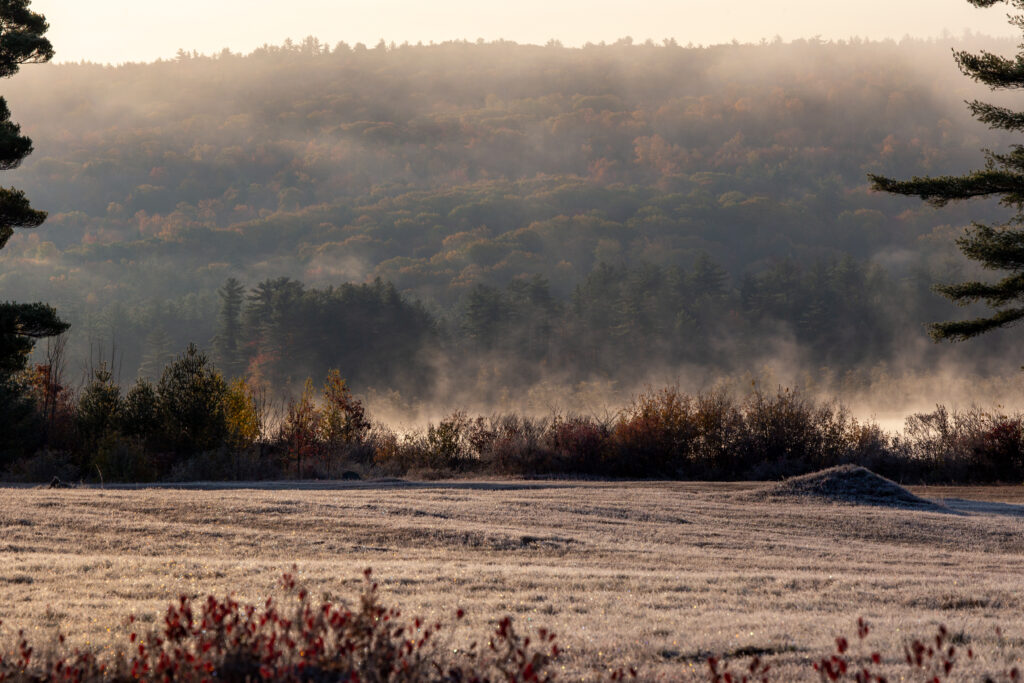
point(494, 225)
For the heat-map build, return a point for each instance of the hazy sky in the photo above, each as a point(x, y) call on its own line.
point(137, 30)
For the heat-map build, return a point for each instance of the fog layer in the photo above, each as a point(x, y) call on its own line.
point(497, 225)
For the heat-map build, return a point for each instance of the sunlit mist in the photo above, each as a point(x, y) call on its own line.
point(128, 30)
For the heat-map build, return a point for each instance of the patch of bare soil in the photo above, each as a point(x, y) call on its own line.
point(847, 484)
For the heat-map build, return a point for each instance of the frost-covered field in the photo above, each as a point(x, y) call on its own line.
point(653, 574)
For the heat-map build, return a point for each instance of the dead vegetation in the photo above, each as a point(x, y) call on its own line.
point(623, 572)
point(846, 484)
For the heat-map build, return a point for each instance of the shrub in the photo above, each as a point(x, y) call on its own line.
point(213, 465)
point(788, 434)
point(343, 425)
point(54, 401)
point(1001, 448)
point(578, 444)
point(193, 415)
point(140, 415)
point(99, 413)
point(44, 466)
point(304, 640)
point(222, 639)
point(661, 434)
point(119, 458)
point(394, 454)
point(969, 445)
point(300, 432)
point(933, 659)
point(512, 444)
point(716, 450)
point(242, 416)
point(22, 423)
point(653, 436)
point(190, 396)
point(447, 444)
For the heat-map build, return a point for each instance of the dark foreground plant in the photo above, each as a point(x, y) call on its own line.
point(304, 640)
point(932, 659)
point(223, 639)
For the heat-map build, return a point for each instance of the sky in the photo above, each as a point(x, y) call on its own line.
point(117, 31)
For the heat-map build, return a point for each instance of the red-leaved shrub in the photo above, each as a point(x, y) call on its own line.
point(223, 639)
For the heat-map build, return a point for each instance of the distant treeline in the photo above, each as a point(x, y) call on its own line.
point(599, 212)
point(840, 313)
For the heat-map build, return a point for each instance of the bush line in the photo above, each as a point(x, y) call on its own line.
point(195, 425)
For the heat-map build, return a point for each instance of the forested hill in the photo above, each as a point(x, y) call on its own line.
point(605, 211)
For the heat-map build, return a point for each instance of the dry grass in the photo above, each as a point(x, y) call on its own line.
point(845, 484)
point(651, 573)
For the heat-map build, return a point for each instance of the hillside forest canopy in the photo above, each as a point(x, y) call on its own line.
point(466, 222)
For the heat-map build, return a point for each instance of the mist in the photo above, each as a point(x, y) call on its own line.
point(121, 31)
point(500, 227)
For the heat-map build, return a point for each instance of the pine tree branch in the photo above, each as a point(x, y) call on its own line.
point(966, 329)
point(16, 212)
point(20, 325)
point(21, 37)
point(995, 249)
point(991, 69)
point(13, 145)
point(32, 320)
point(940, 190)
point(995, 294)
point(996, 117)
point(990, 3)
point(1013, 161)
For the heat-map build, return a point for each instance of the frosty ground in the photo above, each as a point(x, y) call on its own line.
point(651, 574)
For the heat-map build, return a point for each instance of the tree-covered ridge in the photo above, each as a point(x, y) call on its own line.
point(156, 151)
point(455, 171)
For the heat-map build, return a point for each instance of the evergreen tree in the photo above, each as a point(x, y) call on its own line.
point(227, 344)
point(995, 247)
point(482, 317)
point(709, 279)
point(99, 411)
point(140, 415)
point(190, 400)
point(21, 42)
point(158, 352)
point(532, 315)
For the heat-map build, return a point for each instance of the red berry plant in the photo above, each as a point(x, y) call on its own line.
point(930, 660)
point(223, 639)
point(756, 671)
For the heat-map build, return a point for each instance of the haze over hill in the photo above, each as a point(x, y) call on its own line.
point(534, 215)
point(118, 31)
